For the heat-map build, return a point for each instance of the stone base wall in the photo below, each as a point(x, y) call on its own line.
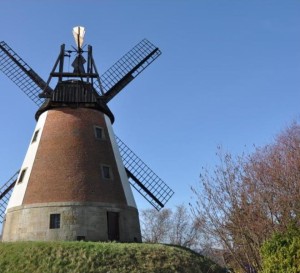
point(86, 221)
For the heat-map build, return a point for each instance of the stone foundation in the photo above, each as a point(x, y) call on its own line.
point(78, 221)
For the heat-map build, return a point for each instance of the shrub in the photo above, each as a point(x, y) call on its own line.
point(281, 254)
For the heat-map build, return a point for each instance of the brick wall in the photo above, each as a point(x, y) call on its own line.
point(67, 167)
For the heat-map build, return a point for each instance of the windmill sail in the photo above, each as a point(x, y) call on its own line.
point(5, 192)
point(143, 179)
point(13, 66)
point(128, 67)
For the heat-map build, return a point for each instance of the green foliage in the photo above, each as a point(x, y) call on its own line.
point(281, 254)
point(87, 257)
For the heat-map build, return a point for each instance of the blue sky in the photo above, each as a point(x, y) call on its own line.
point(229, 75)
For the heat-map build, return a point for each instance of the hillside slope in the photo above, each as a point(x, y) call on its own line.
point(87, 257)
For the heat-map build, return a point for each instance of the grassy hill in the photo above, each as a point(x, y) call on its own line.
point(87, 257)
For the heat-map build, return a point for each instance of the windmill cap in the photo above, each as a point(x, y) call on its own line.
point(75, 94)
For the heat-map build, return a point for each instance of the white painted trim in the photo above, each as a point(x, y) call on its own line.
point(124, 179)
point(19, 190)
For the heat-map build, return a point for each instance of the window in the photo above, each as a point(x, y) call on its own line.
point(54, 221)
point(35, 136)
point(106, 172)
point(80, 238)
point(99, 133)
point(22, 175)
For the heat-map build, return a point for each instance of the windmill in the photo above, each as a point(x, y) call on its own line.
point(74, 183)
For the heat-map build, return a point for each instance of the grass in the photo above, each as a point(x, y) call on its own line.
point(88, 257)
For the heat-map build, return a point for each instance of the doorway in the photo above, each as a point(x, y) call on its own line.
point(113, 226)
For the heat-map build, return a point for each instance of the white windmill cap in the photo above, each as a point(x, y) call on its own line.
point(78, 33)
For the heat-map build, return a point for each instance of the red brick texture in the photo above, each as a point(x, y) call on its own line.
point(67, 167)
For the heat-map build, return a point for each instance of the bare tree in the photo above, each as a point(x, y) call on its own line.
point(173, 227)
point(185, 231)
point(155, 225)
point(249, 197)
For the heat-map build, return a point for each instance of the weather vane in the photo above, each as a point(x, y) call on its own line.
point(78, 33)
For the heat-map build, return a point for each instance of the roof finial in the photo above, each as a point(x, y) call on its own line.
point(78, 33)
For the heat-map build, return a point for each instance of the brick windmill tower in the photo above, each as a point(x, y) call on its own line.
point(74, 183)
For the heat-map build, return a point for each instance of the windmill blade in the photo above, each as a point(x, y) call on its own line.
point(143, 179)
point(5, 193)
point(127, 68)
point(22, 74)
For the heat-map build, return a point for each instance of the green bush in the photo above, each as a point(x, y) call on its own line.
point(281, 254)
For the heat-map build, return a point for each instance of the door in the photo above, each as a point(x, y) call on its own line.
point(113, 226)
